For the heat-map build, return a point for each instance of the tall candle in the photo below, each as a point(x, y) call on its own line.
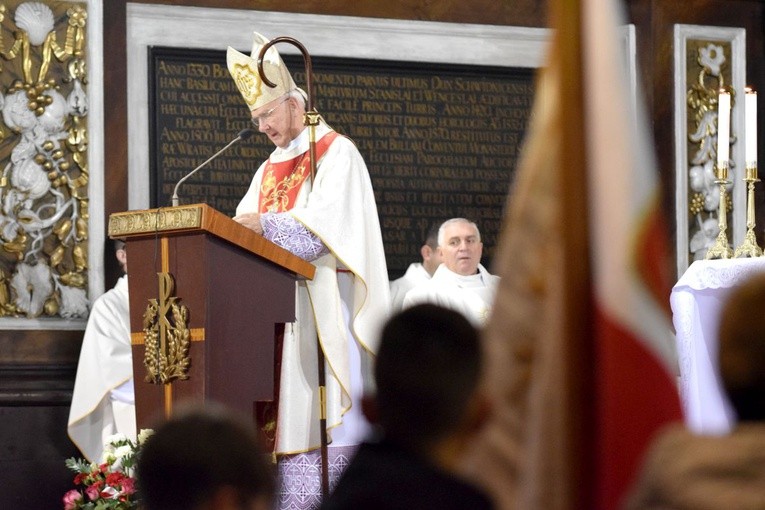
point(723, 129)
point(751, 127)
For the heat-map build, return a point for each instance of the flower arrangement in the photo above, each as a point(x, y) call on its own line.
point(111, 484)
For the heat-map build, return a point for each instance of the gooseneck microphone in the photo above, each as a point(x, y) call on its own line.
point(243, 135)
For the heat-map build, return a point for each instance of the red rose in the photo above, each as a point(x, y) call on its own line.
point(114, 479)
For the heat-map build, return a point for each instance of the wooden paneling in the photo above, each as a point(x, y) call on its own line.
point(37, 370)
point(40, 347)
point(526, 13)
point(33, 447)
point(115, 124)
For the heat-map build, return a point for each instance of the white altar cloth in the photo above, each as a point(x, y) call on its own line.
point(696, 300)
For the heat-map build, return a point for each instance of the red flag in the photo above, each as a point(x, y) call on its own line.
point(581, 361)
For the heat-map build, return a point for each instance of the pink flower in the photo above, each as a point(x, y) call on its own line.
point(128, 486)
point(106, 485)
point(71, 499)
point(94, 490)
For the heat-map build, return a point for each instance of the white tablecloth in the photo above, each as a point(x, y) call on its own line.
point(696, 300)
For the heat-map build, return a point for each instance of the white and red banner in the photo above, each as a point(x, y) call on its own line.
point(581, 361)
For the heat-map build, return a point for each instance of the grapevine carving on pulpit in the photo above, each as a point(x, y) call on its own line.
point(166, 336)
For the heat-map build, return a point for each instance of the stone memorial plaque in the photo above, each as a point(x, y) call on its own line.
point(439, 141)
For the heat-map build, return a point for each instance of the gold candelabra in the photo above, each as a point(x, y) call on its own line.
point(749, 247)
point(721, 248)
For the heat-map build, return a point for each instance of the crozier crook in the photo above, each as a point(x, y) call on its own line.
point(311, 120)
point(311, 117)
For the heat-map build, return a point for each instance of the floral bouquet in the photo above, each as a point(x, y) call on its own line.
point(110, 485)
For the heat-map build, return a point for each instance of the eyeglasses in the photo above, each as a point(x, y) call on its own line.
point(269, 113)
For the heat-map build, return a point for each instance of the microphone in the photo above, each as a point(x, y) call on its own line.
point(243, 135)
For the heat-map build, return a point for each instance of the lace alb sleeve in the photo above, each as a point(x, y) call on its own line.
point(285, 231)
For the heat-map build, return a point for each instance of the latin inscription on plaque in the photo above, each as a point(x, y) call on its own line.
point(439, 141)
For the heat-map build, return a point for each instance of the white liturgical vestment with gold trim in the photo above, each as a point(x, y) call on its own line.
point(348, 299)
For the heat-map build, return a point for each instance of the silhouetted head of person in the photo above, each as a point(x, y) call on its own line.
point(204, 459)
point(742, 348)
point(427, 373)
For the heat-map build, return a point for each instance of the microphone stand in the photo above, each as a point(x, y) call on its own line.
point(310, 119)
point(242, 135)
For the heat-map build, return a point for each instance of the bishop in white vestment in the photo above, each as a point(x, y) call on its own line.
point(331, 221)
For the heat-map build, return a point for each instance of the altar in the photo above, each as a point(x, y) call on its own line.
point(696, 300)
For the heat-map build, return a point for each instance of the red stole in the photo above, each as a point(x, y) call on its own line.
point(282, 181)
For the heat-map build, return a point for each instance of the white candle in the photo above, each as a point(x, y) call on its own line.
point(751, 127)
point(723, 129)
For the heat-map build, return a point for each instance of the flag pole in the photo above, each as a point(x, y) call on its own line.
point(567, 18)
point(311, 120)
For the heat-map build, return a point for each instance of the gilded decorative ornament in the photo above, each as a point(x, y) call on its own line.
point(704, 197)
point(696, 203)
point(44, 174)
point(166, 336)
point(159, 220)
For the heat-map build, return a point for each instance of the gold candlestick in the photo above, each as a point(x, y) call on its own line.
point(721, 248)
point(749, 247)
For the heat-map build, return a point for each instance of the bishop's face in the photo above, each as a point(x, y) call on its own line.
point(277, 120)
point(462, 248)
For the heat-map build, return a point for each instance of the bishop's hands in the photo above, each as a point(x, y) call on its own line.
point(251, 221)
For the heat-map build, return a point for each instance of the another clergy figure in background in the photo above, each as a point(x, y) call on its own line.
point(460, 282)
point(417, 272)
point(331, 222)
point(103, 401)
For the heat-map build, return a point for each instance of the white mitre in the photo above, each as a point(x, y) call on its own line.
point(244, 71)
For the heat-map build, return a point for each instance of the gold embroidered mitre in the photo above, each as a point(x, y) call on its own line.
point(244, 71)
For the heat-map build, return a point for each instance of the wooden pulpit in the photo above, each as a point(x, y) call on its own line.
point(206, 298)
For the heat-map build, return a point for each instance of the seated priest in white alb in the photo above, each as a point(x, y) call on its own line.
point(417, 272)
point(103, 402)
point(460, 282)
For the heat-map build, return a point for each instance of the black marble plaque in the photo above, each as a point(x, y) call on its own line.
point(439, 141)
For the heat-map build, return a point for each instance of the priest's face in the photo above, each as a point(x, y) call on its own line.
point(461, 248)
point(280, 120)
